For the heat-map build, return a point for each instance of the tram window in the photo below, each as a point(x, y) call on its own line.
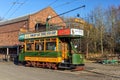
point(51, 46)
point(39, 46)
point(29, 46)
point(60, 46)
point(36, 46)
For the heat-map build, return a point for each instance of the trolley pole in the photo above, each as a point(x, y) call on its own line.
point(49, 17)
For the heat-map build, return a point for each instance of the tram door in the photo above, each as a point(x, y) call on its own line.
point(64, 48)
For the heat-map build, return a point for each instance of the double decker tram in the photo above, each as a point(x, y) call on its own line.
point(51, 49)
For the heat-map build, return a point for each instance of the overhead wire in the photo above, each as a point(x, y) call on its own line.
point(20, 5)
point(52, 3)
point(66, 3)
point(69, 11)
point(12, 6)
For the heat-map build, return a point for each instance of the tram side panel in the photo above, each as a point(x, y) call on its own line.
point(54, 57)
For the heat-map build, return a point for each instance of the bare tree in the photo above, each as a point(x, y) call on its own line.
point(97, 34)
point(112, 21)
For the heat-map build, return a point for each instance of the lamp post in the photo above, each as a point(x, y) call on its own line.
point(47, 24)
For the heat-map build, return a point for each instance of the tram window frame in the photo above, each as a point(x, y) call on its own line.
point(51, 46)
point(41, 40)
point(40, 46)
point(29, 46)
point(49, 41)
point(37, 41)
point(52, 42)
point(60, 46)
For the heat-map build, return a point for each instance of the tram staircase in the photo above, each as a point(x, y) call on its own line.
point(66, 64)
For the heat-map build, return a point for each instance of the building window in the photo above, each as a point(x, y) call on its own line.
point(39, 27)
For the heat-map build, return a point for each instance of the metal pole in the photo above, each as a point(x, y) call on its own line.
point(7, 54)
point(47, 24)
point(69, 11)
point(17, 50)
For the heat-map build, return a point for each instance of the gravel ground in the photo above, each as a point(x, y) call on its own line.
point(106, 71)
point(93, 71)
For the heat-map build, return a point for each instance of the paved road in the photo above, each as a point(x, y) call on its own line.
point(9, 71)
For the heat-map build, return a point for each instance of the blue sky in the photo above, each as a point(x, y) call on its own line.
point(25, 7)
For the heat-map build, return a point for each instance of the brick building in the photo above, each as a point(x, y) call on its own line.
point(10, 29)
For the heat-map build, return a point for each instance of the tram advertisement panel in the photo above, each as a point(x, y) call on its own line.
point(76, 32)
point(41, 34)
point(63, 32)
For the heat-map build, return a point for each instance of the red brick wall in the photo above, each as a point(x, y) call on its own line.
point(40, 17)
point(9, 33)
